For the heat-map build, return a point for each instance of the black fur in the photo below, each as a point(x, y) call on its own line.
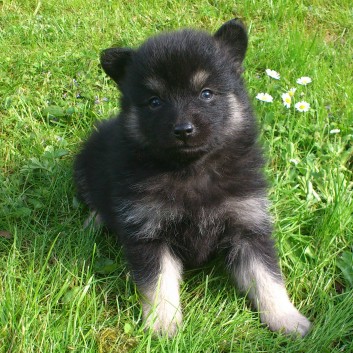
point(197, 192)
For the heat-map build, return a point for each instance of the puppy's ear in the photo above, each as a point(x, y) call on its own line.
point(114, 62)
point(234, 36)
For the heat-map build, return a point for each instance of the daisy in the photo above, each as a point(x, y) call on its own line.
point(264, 97)
point(304, 80)
point(287, 99)
point(335, 131)
point(272, 73)
point(302, 106)
point(292, 91)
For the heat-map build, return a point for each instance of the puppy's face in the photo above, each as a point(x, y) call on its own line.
point(181, 91)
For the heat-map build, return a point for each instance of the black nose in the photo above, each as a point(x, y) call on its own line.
point(183, 130)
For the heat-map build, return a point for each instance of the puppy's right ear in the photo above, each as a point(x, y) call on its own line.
point(114, 62)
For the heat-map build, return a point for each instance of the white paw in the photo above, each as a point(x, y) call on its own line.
point(160, 300)
point(291, 322)
point(164, 319)
point(94, 220)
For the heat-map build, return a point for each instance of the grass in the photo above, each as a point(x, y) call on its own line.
point(63, 289)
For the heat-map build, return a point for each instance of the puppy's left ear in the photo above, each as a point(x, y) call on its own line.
point(114, 62)
point(234, 36)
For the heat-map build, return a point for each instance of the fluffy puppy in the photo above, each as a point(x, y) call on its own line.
point(177, 175)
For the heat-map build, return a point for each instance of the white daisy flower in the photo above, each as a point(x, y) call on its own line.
point(264, 97)
point(287, 99)
point(304, 80)
point(294, 161)
point(292, 91)
point(335, 131)
point(272, 73)
point(302, 106)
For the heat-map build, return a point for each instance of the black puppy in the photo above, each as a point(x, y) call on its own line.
point(178, 174)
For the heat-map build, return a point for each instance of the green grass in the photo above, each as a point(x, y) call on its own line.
point(63, 289)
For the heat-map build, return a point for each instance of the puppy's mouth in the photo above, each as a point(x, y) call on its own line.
point(188, 148)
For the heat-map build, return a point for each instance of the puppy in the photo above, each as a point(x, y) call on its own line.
point(177, 175)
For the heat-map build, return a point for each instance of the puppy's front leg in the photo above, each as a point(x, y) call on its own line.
point(255, 268)
point(157, 273)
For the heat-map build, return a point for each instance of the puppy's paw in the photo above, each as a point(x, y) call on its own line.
point(163, 319)
point(291, 322)
point(94, 220)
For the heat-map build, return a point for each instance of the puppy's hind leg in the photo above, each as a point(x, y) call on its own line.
point(94, 219)
point(255, 268)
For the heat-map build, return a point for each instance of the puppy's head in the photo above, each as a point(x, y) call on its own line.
point(182, 94)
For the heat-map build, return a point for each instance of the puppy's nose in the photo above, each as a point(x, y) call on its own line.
point(183, 130)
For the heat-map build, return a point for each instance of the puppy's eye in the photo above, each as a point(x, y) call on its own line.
point(206, 94)
point(155, 102)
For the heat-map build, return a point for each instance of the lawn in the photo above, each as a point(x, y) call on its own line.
point(66, 289)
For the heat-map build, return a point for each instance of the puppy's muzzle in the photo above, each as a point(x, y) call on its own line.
point(183, 131)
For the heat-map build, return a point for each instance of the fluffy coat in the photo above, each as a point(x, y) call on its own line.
point(177, 175)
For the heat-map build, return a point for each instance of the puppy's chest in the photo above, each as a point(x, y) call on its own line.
point(154, 218)
point(174, 210)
